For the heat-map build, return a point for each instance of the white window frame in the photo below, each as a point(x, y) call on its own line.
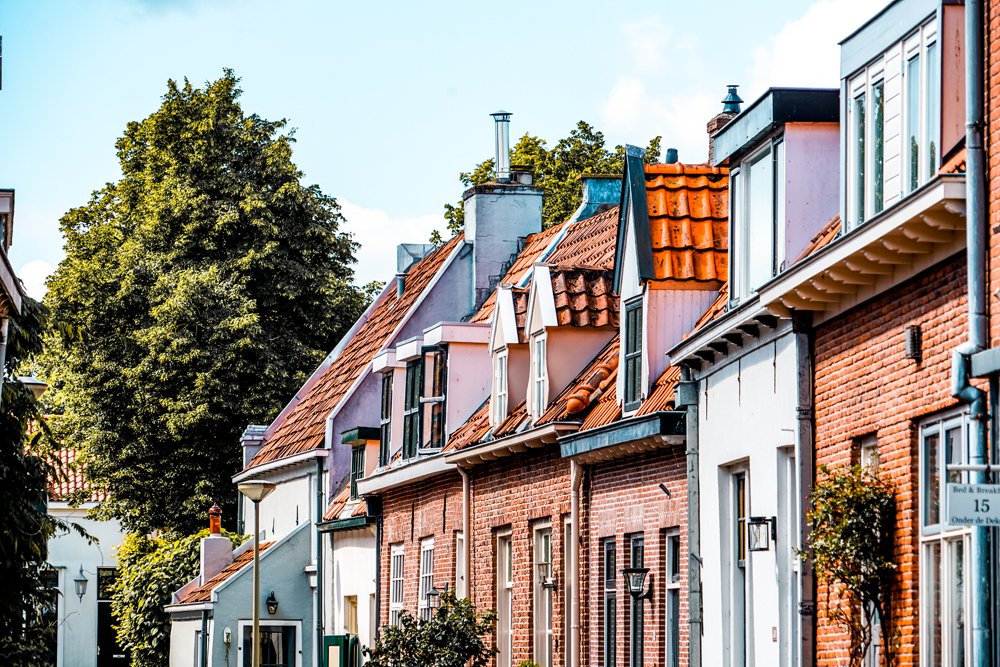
point(461, 587)
point(426, 577)
point(397, 572)
point(505, 598)
point(540, 377)
point(248, 623)
point(543, 596)
point(671, 618)
point(945, 540)
point(740, 209)
point(500, 371)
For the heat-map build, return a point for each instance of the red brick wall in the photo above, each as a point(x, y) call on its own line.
point(624, 499)
point(866, 386)
point(428, 508)
point(992, 143)
point(516, 493)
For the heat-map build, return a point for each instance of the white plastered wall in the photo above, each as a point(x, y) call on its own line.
point(351, 567)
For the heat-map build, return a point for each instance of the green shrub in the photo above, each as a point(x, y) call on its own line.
point(150, 570)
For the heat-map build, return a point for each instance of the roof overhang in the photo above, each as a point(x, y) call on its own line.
point(627, 437)
point(350, 523)
point(360, 435)
point(513, 444)
point(193, 607)
point(718, 338)
point(406, 473)
point(920, 231)
point(457, 332)
point(265, 469)
point(10, 297)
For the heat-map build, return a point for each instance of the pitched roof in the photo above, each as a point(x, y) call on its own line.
point(688, 207)
point(715, 311)
point(955, 165)
point(583, 296)
point(472, 431)
point(823, 238)
point(340, 501)
point(567, 405)
point(204, 593)
point(71, 479)
point(304, 428)
point(662, 396)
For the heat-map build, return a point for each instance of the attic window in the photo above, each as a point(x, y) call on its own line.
point(633, 354)
point(541, 379)
point(411, 410)
point(432, 398)
point(500, 381)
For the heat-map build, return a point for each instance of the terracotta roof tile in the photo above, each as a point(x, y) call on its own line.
point(471, 432)
point(584, 297)
point(337, 504)
point(579, 390)
point(688, 208)
point(956, 165)
point(715, 311)
point(662, 396)
point(303, 429)
point(589, 242)
point(71, 481)
point(823, 238)
point(204, 593)
point(514, 420)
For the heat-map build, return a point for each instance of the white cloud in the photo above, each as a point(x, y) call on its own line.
point(33, 275)
point(379, 234)
point(805, 52)
point(647, 40)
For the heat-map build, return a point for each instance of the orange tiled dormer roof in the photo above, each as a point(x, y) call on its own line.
point(584, 296)
point(340, 501)
point(204, 592)
point(304, 429)
point(688, 207)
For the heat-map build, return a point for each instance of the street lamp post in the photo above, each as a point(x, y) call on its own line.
point(256, 491)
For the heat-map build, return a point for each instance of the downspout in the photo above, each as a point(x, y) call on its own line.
point(204, 638)
point(576, 481)
point(686, 396)
point(805, 456)
point(319, 559)
point(979, 564)
point(466, 529)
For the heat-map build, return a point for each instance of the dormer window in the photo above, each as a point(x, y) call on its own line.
point(385, 420)
point(541, 375)
point(432, 399)
point(411, 409)
point(757, 195)
point(633, 354)
point(500, 381)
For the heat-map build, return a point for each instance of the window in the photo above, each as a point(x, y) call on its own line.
point(932, 124)
point(541, 376)
point(50, 615)
point(357, 468)
point(395, 584)
point(878, 147)
point(858, 129)
point(500, 381)
point(543, 597)
point(737, 572)
point(610, 581)
point(637, 617)
point(385, 420)
point(757, 193)
point(411, 410)
point(567, 590)
point(432, 396)
point(673, 620)
point(460, 569)
point(912, 123)
point(944, 597)
point(351, 614)
point(633, 354)
point(426, 576)
point(505, 598)
point(277, 646)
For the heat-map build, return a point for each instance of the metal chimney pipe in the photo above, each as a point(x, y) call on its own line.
point(502, 119)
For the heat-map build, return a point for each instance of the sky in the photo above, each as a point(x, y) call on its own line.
point(390, 100)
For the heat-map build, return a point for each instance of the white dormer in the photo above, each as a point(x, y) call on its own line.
point(509, 354)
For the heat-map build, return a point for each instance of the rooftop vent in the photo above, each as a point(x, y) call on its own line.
point(732, 101)
point(670, 157)
point(502, 119)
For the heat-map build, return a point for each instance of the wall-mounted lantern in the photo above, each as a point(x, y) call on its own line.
point(545, 578)
point(635, 577)
point(760, 531)
point(434, 596)
point(81, 584)
point(272, 604)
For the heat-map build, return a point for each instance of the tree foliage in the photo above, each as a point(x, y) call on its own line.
point(455, 636)
point(150, 571)
point(556, 170)
point(851, 540)
point(200, 291)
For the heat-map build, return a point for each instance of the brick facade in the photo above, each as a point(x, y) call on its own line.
point(866, 387)
point(624, 499)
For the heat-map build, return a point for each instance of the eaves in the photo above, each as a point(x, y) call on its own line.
point(404, 474)
point(280, 465)
point(514, 444)
point(350, 523)
point(627, 437)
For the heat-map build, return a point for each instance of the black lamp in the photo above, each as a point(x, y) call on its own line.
point(434, 596)
point(81, 584)
point(272, 604)
point(760, 531)
point(545, 578)
point(635, 577)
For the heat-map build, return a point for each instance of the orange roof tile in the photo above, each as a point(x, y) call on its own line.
point(472, 431)
point(303, 429)
point(956, 165)
point(589, 242)
point(584, 297)
point(204, 592)
point(662, 396)
point(566, 406)
point(688, 206)
point(71, 480)
point(823, 238)
point(715, 311)
point(514, 421)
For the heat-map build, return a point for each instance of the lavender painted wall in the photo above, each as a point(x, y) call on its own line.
point(812, 189)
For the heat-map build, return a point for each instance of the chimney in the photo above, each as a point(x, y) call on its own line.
point(671, 156)
point(731, 109)
point(498, 213)
point(600, 193)
point(216, 550)
point(252, 440)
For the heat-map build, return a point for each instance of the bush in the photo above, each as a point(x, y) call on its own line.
point(453, 637)
point(150, 570)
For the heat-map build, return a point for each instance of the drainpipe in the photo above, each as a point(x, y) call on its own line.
point(686, 396)
point(319, 559)
point(466, 529)
point(805, 456)
point(204, 638)
point(576, 481)
point(975, 201)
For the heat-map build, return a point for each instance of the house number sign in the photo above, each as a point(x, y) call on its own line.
point(973, 504)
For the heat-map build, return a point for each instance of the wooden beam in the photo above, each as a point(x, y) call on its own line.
point(734, 338)
point(884, 256)
point(867, 266)
point(905, 244)
point(812, 294)
point(719, 346)
point(935, 219)
point(921, 232)
point(751, 330)
point(706, 355)
point(798, 303)
point(779, 310)
point(849, 277)
point(769, 321)
point(832, 286)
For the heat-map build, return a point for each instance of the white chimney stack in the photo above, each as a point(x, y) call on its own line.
point(502, 119)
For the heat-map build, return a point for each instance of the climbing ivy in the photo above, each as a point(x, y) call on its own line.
point(851, 544)
point(150, 571)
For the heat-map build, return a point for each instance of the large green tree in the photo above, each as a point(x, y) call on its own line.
point(556, 170)
point(198, 293)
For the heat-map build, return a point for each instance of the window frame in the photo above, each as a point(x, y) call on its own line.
point(357, 468)
point(636, 545)
point(543, 649)
point(397, 573)
point(633, 353)
point(429, 405)
point(244, 626)
point(673, 575)
point(610, 597)
point(540, 375)
point(500, 375)
point(411, 409)
point(385, 420)
point(505, 598)
point(426, 580)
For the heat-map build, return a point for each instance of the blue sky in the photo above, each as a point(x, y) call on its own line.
point(390, 99)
